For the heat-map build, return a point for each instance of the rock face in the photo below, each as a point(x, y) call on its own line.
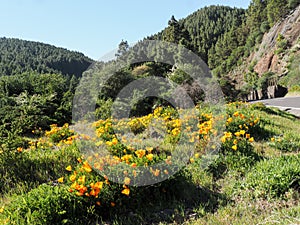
point(268, 56)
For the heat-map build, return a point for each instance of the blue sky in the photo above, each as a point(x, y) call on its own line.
point(94, 27)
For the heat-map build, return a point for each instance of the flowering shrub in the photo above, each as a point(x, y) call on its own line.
point(129, 159)
point(57, 134)
point(125, 155)
point(55, 137)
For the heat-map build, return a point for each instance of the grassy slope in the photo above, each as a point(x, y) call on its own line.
point(200, 197)
point(245, 210)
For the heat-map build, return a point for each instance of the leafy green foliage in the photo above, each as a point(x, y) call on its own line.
point(34, 100)
point(49, 204)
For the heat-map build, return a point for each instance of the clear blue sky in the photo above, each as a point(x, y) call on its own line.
point(94, 27)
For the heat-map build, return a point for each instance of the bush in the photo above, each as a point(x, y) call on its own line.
point(48, 204)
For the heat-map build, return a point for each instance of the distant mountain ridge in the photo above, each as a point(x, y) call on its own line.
point(19, 56)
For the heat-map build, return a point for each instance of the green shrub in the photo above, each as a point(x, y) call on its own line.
point(48, 205)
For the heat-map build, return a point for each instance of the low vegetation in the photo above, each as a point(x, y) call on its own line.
point(256, 176)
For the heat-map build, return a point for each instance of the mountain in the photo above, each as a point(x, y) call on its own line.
point(20, 56)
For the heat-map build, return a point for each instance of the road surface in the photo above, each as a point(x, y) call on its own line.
point(289, 104)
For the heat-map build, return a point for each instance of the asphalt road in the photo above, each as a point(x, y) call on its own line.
point(289, 104)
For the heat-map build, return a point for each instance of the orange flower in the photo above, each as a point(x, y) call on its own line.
point(87, 167)
point(228, 134)
point(140, 153)
point(134, 173)
point(237, 134)
point(156, 172)
point(236, 114)
point(79, 193)
point(247, 135)
point(114, 141)
point(229, 120)
point(149, 157)
point(126, 191)
point(94, 192)
point(98, 203)
point(113, 204)
point(168, 160)
point(99, 185)
point(75, 185)
point(251, 140)
point(19, 149)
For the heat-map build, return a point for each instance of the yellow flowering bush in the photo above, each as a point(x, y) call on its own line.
point(57, 134)
point(124, 155)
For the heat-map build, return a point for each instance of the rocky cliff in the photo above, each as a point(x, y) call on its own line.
point(277, 47)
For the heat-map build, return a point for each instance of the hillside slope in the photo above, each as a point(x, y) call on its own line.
point(19, 56)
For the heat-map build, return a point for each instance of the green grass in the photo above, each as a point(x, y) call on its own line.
point(257, 185)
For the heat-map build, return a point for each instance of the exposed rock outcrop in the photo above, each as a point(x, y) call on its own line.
point(270, 56)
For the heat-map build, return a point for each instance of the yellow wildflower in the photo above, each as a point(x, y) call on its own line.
point(149, 157)
point(126, 191)
point(114, 141)
point(242, 132)
point(69, 168)
point(140, 153)
point(87, 167)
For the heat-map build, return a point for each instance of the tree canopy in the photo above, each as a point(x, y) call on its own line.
point(19, 56)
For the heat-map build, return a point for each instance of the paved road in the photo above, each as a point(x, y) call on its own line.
point(289, 104)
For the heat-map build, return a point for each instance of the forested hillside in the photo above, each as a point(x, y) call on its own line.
point(19, 56)
point(224, 37)
point(201, 30)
